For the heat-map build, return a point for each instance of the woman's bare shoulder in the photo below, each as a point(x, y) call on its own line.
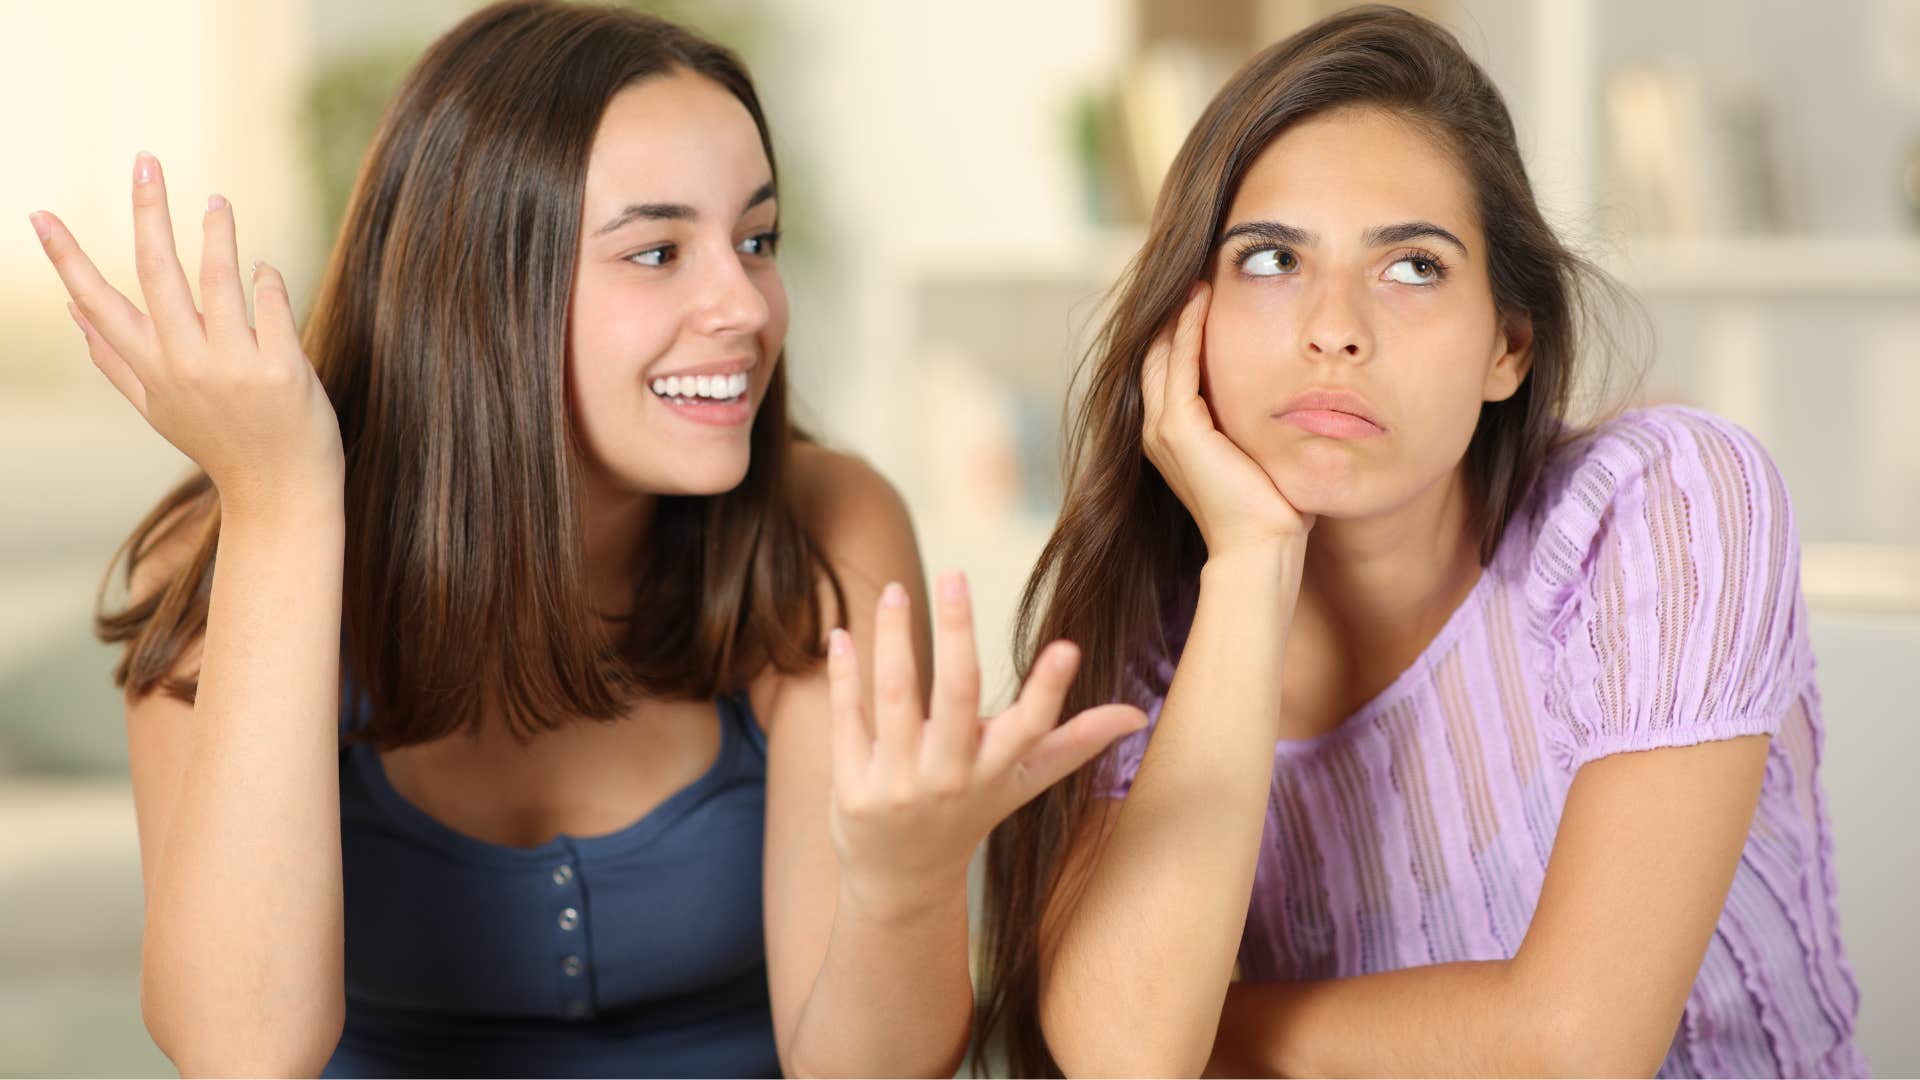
point(852, 510)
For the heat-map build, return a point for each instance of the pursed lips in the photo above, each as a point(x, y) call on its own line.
point(1335, 401)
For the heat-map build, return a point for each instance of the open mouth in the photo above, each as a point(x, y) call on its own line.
point(698, 390)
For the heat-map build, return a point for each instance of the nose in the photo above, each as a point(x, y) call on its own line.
point(1335, 325)
point(730, 302)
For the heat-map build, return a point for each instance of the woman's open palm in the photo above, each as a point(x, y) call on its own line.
point(913, 794)
point(244, 404)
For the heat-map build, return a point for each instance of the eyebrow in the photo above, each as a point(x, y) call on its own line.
point(656, 211)
point(1378, 236)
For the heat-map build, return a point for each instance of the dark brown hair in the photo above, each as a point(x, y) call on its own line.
point(1122, 559)
point(439, 332)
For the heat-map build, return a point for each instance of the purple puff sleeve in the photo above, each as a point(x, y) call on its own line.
point(1664, 588)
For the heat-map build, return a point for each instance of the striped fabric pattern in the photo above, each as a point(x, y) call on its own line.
point(1648, 596)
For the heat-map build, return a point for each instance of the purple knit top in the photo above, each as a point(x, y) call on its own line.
point(1647, 595)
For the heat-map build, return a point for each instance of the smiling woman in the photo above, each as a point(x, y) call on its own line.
point(686, 249)
point(493, 698)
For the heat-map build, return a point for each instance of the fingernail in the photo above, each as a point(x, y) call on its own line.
point(42, 224)
point(145, 168)
point(837, 642)
point(216, 202)
point(893, 595)
point(953, 586)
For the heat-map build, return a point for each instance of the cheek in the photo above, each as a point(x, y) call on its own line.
point(1443, 367)
point(614, 333)
point(1437, 400)
point(1438, 414)
point(1241, 370)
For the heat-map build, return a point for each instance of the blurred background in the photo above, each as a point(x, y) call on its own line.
point(960, 183)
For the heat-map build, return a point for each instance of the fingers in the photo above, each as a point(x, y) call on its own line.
point(852, 742)
point(158, 265)
point(115, 318)
point(953, 732)
point(110, 363)
point(220, 290)
point(1153, 385)
point(1170, 374)
point(1066, 748)
point(273, 312)
point(1183, 362)
point(896, 683)
point(1036, 710)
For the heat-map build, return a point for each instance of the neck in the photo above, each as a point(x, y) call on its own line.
point(613, 523)
point(1382, 587)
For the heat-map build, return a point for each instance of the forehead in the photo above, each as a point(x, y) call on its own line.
point(679, 137)
point(1340, 172)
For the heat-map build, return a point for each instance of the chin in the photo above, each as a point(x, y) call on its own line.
point(1321, 487)
point(713, 477)
point(669, 470)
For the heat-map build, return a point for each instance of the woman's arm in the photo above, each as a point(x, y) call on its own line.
point(238, 804)
point(1640, 869)
point(1133, 973)
point(866, 902)
point(236, 795)
point(1139, 966)
point(854, 991)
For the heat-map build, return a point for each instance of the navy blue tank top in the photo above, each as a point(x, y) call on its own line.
point(636, 953)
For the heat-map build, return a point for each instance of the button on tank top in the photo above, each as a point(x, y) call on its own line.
point(634, 953)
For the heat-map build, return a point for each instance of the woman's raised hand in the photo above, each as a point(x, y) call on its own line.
point(245, 405)
point(914, 795)
point(1231, 498)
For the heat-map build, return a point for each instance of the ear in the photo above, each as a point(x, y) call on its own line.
point(1510, 366)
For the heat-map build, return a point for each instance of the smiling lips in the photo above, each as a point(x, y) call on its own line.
point(1336, 414)
point(718, 395)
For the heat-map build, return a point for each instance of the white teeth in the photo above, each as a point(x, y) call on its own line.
point(714, 387)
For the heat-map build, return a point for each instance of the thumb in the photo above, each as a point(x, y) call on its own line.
point(1071, 745)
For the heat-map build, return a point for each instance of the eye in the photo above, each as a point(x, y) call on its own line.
point(1425, 270)
point(1269, 262)
point(653, 256)
point(765, 245)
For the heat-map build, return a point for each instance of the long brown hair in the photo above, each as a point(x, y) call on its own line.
point(439, 331)
point(1116, 574)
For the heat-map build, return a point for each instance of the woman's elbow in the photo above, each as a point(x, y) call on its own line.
point(1125, 1059)
point(1594, 1041)
point(264, 1046)
point(1594, 1059)
point(1125, 1049)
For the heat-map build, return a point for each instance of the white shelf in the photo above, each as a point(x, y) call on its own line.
point(1879, 579)
point(1771, 266)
